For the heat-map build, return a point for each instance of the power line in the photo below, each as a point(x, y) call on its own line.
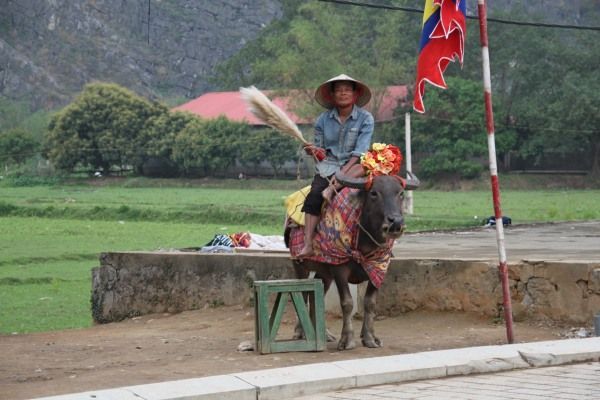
point(369, 5)
point(539, 24)
point(498, 20)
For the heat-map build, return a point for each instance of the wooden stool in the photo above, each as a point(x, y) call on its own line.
point(267, 322)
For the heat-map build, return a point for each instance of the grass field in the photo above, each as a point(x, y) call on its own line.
point(50, 236)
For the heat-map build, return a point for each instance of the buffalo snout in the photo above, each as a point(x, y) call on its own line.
point(393, 225)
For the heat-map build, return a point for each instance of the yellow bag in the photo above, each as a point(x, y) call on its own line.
point(293, 205)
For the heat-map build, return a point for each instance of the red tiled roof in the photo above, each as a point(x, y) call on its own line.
point(231, 106)
point(393, 97)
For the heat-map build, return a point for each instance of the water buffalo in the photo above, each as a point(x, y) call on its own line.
point(355, 238)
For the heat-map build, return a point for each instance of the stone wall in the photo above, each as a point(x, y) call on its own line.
point(130, 284)
point(556, 291)
point(559, 291)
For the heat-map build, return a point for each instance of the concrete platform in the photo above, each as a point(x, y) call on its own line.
point(560, 242)
point(554, 268)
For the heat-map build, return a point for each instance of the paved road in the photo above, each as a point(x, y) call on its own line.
point(567, 241)
point(569, 382)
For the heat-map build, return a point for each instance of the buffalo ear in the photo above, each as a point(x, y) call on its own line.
point(412, 182)
point(348, 181)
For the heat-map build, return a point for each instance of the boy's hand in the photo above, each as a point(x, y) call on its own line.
point(317, 152)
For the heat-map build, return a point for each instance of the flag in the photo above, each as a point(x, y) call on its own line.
point(442, 41)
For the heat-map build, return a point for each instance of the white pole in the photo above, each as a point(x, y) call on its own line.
point(408, 200)
point(489, 118)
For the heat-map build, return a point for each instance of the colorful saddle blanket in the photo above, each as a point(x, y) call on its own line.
point(336, 239)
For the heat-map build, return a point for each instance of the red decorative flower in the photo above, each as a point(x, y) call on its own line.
point(382, 159)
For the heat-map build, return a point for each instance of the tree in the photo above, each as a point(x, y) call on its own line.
point(225, 144)
point(12, 113)
point(187, 147)
point(17, 115)
point(100, 129)
point(564, 120)
point(270, 146)
point(546, 90)
point(324, 40)
point(160, 131)
point(157, 140)
point(451, 137)
point(209, 147)
point(16, 146)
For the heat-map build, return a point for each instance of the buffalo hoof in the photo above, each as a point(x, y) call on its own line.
point(299, 336)
point(346, 343)
point(372, 342)
point(330, 337)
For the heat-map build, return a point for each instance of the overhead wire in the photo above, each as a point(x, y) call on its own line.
point(475, 17)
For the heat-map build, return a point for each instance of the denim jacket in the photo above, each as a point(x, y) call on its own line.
point(341, 142)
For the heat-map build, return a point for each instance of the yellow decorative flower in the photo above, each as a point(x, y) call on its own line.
point(338, 221)
point(346, 239)
point(382, 159)
point(328, 220)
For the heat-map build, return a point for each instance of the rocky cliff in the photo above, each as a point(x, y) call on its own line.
point(162, 48)
point(159, 48)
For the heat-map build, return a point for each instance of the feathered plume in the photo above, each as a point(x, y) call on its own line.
point(270, 114)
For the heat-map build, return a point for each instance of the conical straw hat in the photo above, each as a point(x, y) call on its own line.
point(324, 96)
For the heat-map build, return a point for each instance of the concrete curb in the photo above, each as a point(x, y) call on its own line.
point(301, 380)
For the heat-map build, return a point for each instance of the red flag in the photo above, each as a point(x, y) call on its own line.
point(442, 41)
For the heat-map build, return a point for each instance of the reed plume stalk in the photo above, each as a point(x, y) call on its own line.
point(266, 111)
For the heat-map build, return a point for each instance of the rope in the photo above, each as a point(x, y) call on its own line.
point(362, 228)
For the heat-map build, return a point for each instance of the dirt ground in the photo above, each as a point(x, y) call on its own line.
point(192, 344)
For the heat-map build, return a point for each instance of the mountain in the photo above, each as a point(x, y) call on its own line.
point(49, 49)
point(164, 49)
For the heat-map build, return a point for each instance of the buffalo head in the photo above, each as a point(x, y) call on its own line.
point(382, 198)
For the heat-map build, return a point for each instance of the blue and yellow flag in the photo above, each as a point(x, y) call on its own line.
point(442, 41)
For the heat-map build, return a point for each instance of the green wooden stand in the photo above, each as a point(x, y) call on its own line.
point(267, 322)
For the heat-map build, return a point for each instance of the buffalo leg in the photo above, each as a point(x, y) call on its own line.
point(368, 331)
point(326, 285)
point(302, 273)
point(341, 280)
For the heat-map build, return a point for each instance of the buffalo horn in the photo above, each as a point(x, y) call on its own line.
point(348, 181)
point(412, 182)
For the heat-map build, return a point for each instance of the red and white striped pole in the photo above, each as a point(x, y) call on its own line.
point(489, 118)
